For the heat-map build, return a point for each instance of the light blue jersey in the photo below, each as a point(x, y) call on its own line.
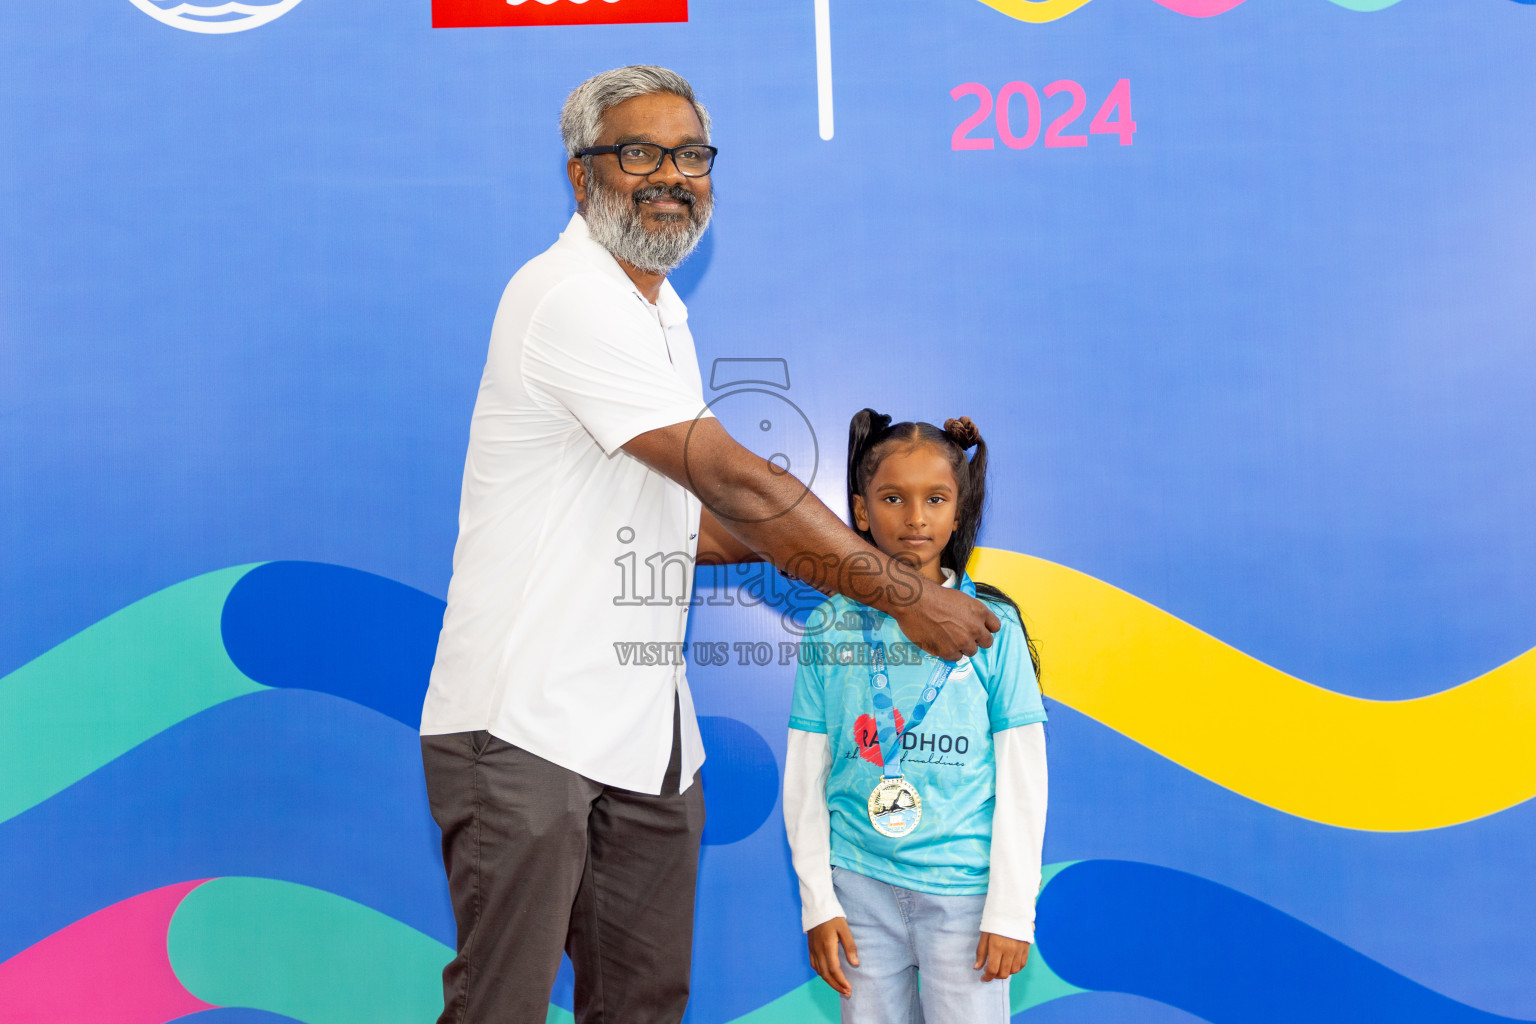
point(948, 758)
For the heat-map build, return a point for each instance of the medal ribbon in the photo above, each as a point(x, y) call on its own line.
point(885, 708)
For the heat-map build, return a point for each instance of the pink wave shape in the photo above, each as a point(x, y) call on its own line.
point(110, 966)
point(1200, 8)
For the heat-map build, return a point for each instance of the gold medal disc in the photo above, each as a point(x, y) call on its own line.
point(895, 808)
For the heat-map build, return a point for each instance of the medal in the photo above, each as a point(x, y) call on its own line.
point(895, 807)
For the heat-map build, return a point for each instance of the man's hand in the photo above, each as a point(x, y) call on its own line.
point(823, 940)
point(947, 623)
point(1003, 957)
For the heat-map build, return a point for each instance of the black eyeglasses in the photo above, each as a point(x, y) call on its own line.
point(691, 161)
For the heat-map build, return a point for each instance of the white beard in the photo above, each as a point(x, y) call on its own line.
point(615, 223)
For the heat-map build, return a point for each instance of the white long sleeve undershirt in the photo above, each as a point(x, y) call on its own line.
point(807, 764)
point(1018, 829)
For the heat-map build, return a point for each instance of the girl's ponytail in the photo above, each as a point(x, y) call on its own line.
point(864, 432)
point(962, 433)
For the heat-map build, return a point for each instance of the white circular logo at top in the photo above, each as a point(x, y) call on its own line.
point(215, 19)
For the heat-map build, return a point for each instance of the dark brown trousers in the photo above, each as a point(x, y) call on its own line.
point(541, 859)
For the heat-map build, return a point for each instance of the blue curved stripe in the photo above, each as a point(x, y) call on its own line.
point(312, 626)
point(236, 1015)
point(278, 784)
point(740, 779)
point(1218, 954)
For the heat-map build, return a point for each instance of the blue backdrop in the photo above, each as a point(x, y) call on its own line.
point(1266, 367)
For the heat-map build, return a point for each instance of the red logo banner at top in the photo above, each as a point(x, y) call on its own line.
point(485, 13)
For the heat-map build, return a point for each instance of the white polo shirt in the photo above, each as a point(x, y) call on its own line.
point(551, 588)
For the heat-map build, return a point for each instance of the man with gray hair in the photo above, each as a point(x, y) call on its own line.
point(563, 776)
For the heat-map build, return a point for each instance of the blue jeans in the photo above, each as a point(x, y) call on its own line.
point(901, 934)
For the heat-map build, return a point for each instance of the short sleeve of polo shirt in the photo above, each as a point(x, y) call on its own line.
point(594, 349)
point(1013, 697)
point(807, 707)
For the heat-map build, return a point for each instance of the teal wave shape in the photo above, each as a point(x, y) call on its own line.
point(115, 684)
point(320, 958)
point(303, 953)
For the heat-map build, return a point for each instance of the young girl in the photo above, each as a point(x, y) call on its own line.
point(915, 791)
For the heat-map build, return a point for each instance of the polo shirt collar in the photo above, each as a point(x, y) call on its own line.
point(963, 583)
point(580, 240)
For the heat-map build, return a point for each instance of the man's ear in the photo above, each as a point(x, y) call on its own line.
point(860, 513)
point(577, 172)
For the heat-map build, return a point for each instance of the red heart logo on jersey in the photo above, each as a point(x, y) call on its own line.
point(867, 735)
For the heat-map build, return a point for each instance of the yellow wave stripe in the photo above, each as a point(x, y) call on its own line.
point(1036, 11)
point(1386, 766)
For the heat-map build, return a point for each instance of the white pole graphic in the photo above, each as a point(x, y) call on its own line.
point(824, 67)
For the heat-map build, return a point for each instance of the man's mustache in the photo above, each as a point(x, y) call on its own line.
point(646, 193)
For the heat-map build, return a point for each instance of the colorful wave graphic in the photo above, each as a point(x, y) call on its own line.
point(110, 966)
point(1218, 954)
point(1271, 737)
point(292, 952)
point(1041, 11)
point(1222, 714)
point(243, 747)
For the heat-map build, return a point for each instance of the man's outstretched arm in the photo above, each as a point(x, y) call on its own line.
point(774, 514)
point(719, 546)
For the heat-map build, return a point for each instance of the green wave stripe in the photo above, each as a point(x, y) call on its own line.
point(304, 953)
point(815, 1002)
point(320, 958)
point(112, 686)
point(264, 944)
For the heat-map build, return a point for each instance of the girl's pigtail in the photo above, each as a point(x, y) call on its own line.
point(864, 433)
point(964, 435)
